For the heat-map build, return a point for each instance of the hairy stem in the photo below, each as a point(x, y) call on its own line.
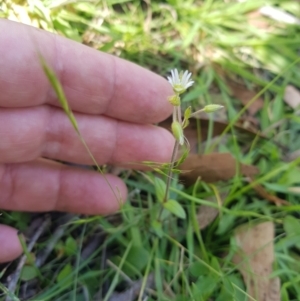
point(170, 172)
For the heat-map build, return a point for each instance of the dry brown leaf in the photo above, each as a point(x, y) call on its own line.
point(294, 190)
point(255, 258)
point(292, 156)
point(207, 214)
point(269, 197)
point(274, 289)
point(257, 20)
point(279, 15)
point(292, 96)
point(244, 95)
point(213, 167)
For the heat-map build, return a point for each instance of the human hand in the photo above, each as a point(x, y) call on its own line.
point(114, 103)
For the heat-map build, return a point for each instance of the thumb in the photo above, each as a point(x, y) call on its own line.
point(10, 246)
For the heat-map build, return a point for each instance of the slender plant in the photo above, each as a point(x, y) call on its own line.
point(180, 82)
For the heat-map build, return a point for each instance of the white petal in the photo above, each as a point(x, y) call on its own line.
point(172, 73)
point(185, 76)
point(177, 79)
point(189, 84)
point(188, 76)
point(180, 81)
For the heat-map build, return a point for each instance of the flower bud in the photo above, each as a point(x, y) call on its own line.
point(178, 132)
point(212, 108)
point(174, 100)
point(188, 112)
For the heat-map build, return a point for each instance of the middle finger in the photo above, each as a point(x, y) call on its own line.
point(45, 131)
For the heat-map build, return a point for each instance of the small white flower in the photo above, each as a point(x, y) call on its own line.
point(180, 82)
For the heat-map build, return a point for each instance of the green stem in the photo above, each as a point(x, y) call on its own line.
point(176, 117)
point(170, 175)
point(170, 172)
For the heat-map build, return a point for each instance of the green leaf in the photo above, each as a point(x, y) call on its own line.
point(160, 188)
point(284, 294)
point(292, 228)
point(135, 262)
point(291, 225)
point(70, 246)
point(138, 257)
point(175, 208)
point(63, 274)
point(224, 295)
point(204, 287)
point(157, 228)
point(21, 219)
point(86, 8)
point(198, 269)
point(29, 272)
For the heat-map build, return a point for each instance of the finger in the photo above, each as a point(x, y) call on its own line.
point(10, 244)
point(45, 131)
point(94, 82)
point(43, 185)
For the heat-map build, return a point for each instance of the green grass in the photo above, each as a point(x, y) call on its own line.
point(213, 40)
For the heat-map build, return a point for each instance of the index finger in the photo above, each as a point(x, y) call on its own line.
point(94, 82)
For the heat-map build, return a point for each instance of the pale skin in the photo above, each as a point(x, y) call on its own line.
point(115, 103)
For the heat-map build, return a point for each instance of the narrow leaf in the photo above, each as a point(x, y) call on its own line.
point(175, 208)
point(160, 188)
point(63, 274)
